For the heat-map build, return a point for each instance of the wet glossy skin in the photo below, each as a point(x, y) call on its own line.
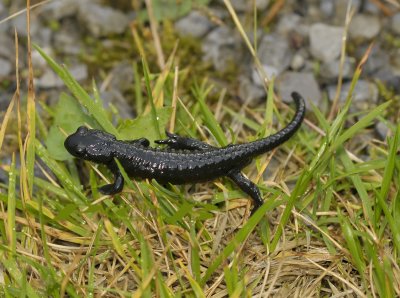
point(184, 160)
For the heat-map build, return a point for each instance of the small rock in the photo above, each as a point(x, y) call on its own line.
point(239, 5)
point(269, 71)
point(4, 27)
point(341, 7)
point(364, 27)
point(248, 91)
point(327, 7)
point(304, 83)
point(3, 9)
point(5, 68)
point(195, 24)
point(50, 80)
point(221, 46)
point(371, 8)
point(377, 59)
point(79, 72)
point(101, 20)
point(291, 24)
point(122, 77)
point(382, 130)
point(330, 70)
point(38, 62)
point(19, 23)
point(67, 40)
point(297, 62)
point(57, 10)
point(115, 98)
point(243, 6)
point(275, 55)
point(390, 77)
point(5, 99)
point(395, 23)
point(365, 95)
point(287, 23)
point(44, 37)
point(218, 12)
point(325, 41)
point(313, 13)
point(262, 4)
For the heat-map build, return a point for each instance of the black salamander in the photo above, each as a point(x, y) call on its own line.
point(184, 160)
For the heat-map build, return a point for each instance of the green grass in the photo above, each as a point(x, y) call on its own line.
point(329, 224)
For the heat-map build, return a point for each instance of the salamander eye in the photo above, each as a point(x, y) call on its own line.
point(80, 150)
point(82, 130)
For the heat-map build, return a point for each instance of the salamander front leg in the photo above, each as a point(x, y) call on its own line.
point(248, 187)
point(177, 142)
point(113, 188)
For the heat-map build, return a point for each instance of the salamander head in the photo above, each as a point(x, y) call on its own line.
point(91, 144)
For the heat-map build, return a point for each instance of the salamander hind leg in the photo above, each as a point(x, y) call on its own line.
point(113, 188)
point(177, 142)
point(248, 187)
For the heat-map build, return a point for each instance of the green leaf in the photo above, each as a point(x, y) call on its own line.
point(143, 126)
point(68, 120)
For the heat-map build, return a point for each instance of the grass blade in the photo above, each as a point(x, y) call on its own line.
point(151, 99)
point(364, 122)
point(200, 93)
point(238, 239)
point(12, 238)
point(359, 185)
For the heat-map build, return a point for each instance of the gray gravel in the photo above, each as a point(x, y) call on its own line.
point(57, 10)
point(93, 16)
point(7, 52)
point(395, 23)
point(330, 70)
point(325, 41)
point(116, 98)
point(5, 68)
point(222, 46)
point(248, 91)
point(382, 130)
point(300, 48)
point(122, 77)
point(365, 95)
point(364, 27)
point(275, 55)
point(340, 9)
point(50, 80)
point(243, 6)
point(195, 24)
point(298, 61)
point(303, 82)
